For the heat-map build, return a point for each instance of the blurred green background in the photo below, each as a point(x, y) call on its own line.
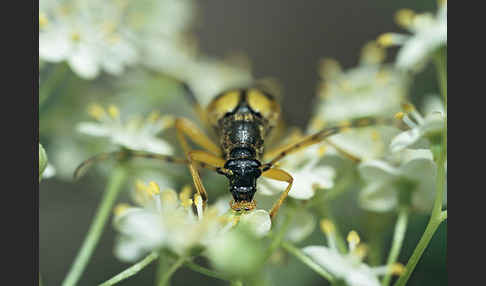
point(282, 39)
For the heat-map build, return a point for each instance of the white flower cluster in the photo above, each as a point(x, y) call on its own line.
point(429, 33)
point(179, 222)
point(107, 35)
point(136, 134)
point(348, 267)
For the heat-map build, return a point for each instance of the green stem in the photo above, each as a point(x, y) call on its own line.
point(166, 277)
point(162, 267)
point(421, 246)
point(307, 260)
point(277, 239)
point(51, 82)
point(400, 229)
point(440, 154)
point(132, 270)
point(197, 268)
point(111, 193)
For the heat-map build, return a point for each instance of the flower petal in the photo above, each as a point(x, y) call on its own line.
point(258, 220)
point(301, 226)
point(377, 171)
point(405, 139)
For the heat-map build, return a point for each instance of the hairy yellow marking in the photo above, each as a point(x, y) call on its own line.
point(259, 102)
point(243, 206)
point(223, 104)
point(267, 107)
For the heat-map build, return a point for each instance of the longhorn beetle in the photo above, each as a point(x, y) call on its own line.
point(242, 119)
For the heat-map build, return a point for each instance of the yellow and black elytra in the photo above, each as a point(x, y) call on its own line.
point(242, 119)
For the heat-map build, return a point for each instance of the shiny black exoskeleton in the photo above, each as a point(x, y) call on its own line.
point(242, 178)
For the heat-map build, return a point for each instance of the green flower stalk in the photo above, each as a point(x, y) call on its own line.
point(96, 229)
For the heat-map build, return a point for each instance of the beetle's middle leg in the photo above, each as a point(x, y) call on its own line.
point(185, 127)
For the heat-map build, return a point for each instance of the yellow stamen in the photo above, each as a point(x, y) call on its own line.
point(353, 238)
point(328, 68)
point(113, 111)
point(153, 188)
point(185, 193)
point(399, 115)
point(43, 21)
point(322, 150)
point(96, 111)
point(408, 107)
point(75, 37)
point(121, 209)
point(327, 226)
point(373, 53)
point(397, 268)
point(361, 250)
point(404, 17)
point(385, 40)
point(186, 202)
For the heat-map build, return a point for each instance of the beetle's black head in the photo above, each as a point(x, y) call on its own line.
point(242, 178)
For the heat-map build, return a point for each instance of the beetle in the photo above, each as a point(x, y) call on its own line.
point(242, 119)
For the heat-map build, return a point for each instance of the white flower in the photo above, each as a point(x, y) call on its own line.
point(166, 220)
point(302, 225)
point(136, 134)
point(372, 89)
point(429, 34)
point(107, 35)
point(348, 267)
point(411, 177)
point(420, 127)
point(307, 173)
